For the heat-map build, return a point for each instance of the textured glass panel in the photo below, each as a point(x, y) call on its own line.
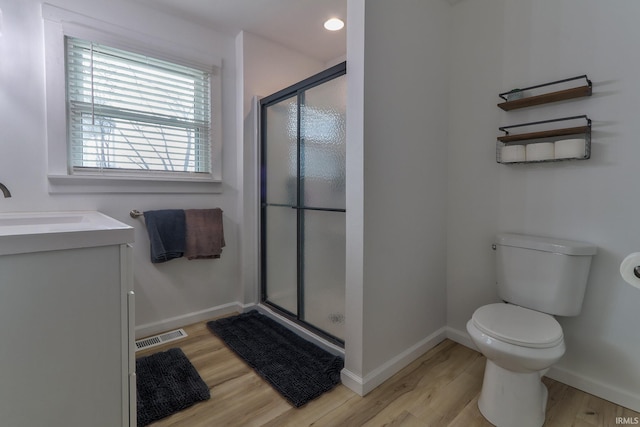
point(281, 152)
point(281, 274)
point(323, 133)
point(324, 270)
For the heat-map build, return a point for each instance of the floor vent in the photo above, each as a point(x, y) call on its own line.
point(160, 339)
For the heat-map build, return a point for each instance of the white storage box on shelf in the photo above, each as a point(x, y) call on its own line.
point(574, 148)
point(512, 154)
point(540, 151)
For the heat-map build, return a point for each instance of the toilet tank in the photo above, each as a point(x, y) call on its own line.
point(543, 274)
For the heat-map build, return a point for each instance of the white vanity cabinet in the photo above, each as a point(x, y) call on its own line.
point(66, 321)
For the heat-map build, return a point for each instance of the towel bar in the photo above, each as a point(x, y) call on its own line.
point(135, 213)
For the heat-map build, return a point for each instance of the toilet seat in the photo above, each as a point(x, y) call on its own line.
point(518, 325)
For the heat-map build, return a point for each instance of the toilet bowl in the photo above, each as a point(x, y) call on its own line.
point(520, 346)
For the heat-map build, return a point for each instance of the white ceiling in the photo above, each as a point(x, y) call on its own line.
point(296, 24)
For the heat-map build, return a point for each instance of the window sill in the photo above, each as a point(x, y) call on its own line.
point(65, 184)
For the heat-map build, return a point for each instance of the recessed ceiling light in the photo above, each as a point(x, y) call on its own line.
point(334, 24)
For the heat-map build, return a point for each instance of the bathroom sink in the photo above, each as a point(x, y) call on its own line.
point(23, 232)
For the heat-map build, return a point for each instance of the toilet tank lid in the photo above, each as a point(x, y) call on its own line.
point(546, 244)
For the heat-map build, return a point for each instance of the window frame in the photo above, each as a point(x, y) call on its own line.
point(59, 23)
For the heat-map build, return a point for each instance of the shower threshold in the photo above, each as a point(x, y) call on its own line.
point(305, 330)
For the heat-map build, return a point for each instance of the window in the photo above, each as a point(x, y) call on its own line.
point(128, 111)
point(131, 112)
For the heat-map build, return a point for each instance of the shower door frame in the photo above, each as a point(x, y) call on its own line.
point(295, 91)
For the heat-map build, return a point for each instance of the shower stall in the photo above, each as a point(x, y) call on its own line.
point(302, 199)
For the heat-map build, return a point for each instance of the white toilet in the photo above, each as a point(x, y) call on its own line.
point(537, 277)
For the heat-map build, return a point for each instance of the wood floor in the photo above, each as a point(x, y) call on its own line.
point(439, 389)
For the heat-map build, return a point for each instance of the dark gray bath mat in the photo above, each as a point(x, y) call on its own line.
point(298, 369)
point(167, 383)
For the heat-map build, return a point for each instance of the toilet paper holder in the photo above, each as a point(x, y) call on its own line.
point(630, 269)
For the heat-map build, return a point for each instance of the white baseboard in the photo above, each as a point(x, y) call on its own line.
point(352, 381)
point(247, 307)
point(597, 388)
point(362, 386)
point(571, 378)
point(187, 319)
point(461, 338)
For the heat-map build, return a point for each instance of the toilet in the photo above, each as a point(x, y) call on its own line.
point(537, 278)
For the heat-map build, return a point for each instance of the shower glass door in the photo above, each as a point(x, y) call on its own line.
point(303, 202)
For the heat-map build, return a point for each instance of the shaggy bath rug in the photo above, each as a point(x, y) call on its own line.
point(167, 383)
point(296, 368)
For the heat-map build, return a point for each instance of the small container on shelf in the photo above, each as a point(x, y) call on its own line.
point(514, 94)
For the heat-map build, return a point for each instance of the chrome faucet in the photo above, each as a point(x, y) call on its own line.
point(5, 190)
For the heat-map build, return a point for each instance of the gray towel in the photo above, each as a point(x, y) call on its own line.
point(205, 235)
point(167, 234)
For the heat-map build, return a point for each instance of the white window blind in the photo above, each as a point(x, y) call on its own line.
point(130, 112)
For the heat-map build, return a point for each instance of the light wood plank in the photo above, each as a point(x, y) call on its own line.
point(439, 389)
point(564, 403)
point(427, 394)
point(470, 416)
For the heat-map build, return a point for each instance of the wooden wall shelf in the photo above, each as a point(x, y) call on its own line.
point(544, 134)
point(560, 95)
point(553, 135)
point(533, 147)
point(577, 92)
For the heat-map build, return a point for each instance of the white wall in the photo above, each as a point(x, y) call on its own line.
point(499, 45)
point(398, 65)
point(178, 288)
point(264, 67)
point(472, 174)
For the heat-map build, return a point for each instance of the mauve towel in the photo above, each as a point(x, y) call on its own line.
point(167, 233)
point(205, 235)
